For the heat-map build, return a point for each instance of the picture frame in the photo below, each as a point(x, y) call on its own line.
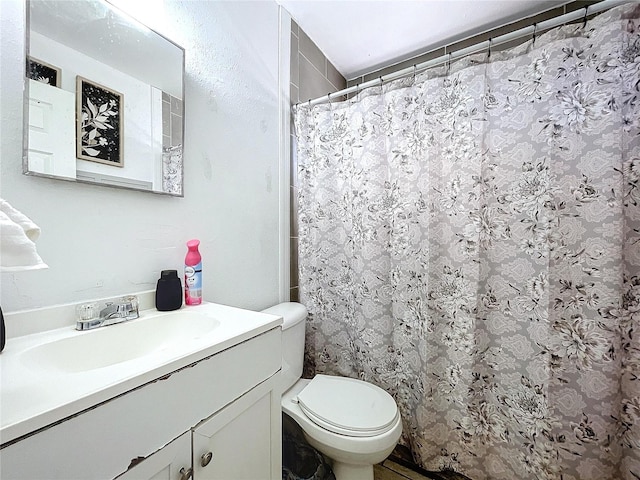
point(43, 72)
point(99, 123)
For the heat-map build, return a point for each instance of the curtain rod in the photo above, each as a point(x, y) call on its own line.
point(507, 37)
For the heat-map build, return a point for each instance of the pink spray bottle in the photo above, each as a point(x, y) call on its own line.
point(193, 274)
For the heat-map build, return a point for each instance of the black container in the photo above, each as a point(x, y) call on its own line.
point(169, 291)
point(2, 331)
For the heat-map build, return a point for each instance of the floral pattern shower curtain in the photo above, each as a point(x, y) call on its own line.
point(470, 241)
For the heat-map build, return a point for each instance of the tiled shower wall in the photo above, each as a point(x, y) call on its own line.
point(312, 76)
point(172, 120)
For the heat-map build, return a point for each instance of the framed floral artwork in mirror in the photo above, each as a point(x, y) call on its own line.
point(43, 72)
point(99, 117)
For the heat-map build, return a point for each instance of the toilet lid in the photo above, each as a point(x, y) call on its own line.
point(348, 406)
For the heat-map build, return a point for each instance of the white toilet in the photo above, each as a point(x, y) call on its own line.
point(354, 423)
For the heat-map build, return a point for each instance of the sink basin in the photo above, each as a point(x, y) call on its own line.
point(106, 346)
point(51, 372)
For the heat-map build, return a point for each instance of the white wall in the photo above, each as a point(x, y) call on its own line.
point(100, 241)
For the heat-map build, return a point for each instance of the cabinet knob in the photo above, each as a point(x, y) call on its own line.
point(185, 474)
point(206, 458)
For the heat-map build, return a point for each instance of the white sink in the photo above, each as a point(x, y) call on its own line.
point(106, 346)
point(52, 374)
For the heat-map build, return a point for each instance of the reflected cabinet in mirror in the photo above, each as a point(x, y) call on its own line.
point(104, 98)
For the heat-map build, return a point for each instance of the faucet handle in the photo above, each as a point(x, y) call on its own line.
point(128, 307)
point(87, 311)
point(87, 316)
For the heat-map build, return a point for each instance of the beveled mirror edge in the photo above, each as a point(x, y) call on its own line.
point(26, 21)
point(25, 86)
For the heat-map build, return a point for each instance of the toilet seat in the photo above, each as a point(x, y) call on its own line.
point(347, 406)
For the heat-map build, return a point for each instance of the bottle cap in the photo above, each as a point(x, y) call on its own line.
point(169, 274)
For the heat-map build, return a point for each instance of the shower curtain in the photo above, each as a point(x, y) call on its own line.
point(469, 240)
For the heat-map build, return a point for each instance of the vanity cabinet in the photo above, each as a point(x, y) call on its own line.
point(226, 404)
point(172, 462)
point(238, 442)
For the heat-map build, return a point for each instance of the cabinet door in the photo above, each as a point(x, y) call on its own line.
point(172, 462)
point(242, 441)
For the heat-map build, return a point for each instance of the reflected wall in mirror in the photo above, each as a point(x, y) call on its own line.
point(104, 98)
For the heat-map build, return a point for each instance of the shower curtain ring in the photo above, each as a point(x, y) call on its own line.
point(415, 69)
point(586, 11)
point(309, 103)
point(533, 38)
point(489, 50)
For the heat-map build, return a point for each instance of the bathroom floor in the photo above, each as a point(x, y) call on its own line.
point(301, 461)
point(390, 470)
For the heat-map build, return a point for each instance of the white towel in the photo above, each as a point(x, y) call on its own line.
point(17, 236)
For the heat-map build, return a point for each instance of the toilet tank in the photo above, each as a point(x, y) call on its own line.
point(294, 317)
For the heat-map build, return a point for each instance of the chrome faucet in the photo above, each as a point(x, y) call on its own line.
point(125, 309)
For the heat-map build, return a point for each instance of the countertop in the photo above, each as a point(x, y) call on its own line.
point(34, 396)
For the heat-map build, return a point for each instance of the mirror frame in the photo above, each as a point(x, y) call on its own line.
point(25, 159)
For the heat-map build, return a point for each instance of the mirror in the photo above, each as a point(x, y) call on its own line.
point(103, 98)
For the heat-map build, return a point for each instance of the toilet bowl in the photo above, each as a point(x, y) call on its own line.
point(354, 423)
point(352, 450)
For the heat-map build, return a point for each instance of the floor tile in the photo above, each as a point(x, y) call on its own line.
point(382, 473)
point(404, 471)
